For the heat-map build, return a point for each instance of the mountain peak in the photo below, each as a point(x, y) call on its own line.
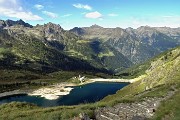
point(18, 22)
point(129, 28)
point(9, 23)
point(52, 25)
point(78, 31)
point(146, 29)
point(95, 26)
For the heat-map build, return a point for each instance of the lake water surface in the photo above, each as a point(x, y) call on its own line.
point(88, 93)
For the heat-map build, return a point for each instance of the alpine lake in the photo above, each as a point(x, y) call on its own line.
point(88, 93)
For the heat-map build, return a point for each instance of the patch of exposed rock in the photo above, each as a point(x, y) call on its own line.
point(132, 111)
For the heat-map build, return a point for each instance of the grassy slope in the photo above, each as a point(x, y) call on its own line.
point(140, 69)
point(170, 109)
point(161, 70)
point(163, 73)
point(97, 54)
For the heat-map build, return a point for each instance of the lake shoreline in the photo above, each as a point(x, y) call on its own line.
point(53, 92)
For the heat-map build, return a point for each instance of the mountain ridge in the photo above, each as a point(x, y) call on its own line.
point(113, 49)
point(131, 42)
point(50, 40)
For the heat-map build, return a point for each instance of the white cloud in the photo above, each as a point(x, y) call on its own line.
point(112, 15)
point(50, 14)
point(13, 9)
point(39, 7)
point(67, 15)
point(81, 6)
point(93, 15)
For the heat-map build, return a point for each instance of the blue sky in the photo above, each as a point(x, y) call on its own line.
point(82, 13)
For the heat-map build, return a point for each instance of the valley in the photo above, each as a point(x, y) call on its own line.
point(42, 63)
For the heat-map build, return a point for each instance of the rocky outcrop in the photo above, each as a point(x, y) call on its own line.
point(133, 111)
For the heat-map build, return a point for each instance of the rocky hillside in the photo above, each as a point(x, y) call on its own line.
point(26, 51)
point(136, 44)
point(171, 32)
point(49, 47)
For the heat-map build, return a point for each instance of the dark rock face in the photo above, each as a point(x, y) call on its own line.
point(9, 23)
point(77, 31)
point(52, 28)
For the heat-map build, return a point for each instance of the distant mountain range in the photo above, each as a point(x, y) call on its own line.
point(49, 47)
point(137, 45)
